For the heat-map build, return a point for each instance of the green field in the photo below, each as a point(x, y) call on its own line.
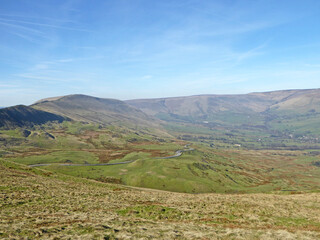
point(60, 157)
point(232, 162)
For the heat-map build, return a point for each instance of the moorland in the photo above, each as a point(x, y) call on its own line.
point(214, 166)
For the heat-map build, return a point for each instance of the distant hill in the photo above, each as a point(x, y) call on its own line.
point(92, 109)
point(300, 101)
point(18, 116)
point(207, 105)
point(287, 110)
point(266, 109)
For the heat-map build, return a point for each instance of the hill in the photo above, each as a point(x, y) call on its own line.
point(92, 178)
point(300, 101)
point(38, 204)
point(21, 115)
point(205, 106)
point(268, 110)
point(97, 110)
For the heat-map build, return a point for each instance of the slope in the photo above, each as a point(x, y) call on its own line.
point(91, 109)
point(21, 115)
point(206, 105)
point(299, 102)
point(37, 204)
point(264, 110)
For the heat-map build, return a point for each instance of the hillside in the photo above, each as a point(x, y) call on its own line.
point(267, 110)
point(21, 115)
point(303, 101)
point(38, 204)
point(204, 106)
point(91, 109)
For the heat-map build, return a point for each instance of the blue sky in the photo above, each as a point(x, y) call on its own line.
point(128, 49)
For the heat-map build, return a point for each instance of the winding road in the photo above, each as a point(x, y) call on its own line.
point(177, 154)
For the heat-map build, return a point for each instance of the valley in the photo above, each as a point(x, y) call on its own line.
point(241, 167)
point(252, 149)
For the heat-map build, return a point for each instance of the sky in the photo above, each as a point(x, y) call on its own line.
point(128, 49)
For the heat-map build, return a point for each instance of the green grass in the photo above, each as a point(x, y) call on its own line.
point(199, 171)
point(78, 128)
point(236, 119)
point(176, 174)
point(183, 174)
point(17, 133)
point(153, 212)
point(60, 157)
point(223, 167)
point(131, 157)
point(297, 222)
point(187, 128)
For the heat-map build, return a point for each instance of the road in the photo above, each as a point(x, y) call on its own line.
point(179, 152)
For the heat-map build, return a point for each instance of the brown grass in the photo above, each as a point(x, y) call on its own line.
point(34, 205)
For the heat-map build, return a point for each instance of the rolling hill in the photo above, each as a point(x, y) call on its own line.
point(239, 141)
point(266, 109)
point(97, 110)
point(302, 102)
point(204, 106)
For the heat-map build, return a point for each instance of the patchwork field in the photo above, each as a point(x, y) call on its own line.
point(137, 157)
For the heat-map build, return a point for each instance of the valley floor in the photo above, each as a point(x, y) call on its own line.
point(38, 204)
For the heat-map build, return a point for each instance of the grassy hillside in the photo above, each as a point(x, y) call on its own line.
point(37, 204)
point(304, 101)
point(19, 116)
point(287, 113)
point(222, 171)
point(204, 106)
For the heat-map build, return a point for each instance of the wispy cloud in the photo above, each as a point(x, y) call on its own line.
point(57, 77)
point(26, 33)
point(25, 37)
point(42, 78)
point(253, 52)
point(192, 46)
point(28, 29)
point(36, 18)
point(56, 62)
point(44, 25)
